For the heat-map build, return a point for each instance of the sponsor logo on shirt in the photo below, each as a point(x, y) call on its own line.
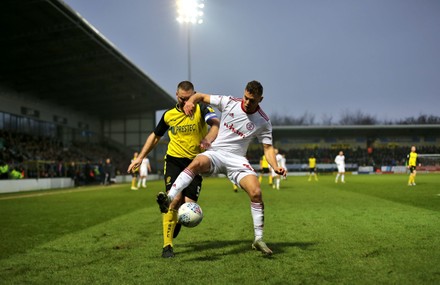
point(234, 130)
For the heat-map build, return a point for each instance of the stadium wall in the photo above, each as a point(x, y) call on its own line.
point(24, 105)
point(22, 185)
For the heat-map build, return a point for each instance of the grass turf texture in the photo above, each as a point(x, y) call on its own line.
point(371, 230)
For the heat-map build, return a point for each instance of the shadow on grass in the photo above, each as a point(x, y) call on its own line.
point(214, 250)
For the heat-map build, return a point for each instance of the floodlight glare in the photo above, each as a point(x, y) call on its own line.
point(190, 11)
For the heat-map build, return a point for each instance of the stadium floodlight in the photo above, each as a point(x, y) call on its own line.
point(190, 12)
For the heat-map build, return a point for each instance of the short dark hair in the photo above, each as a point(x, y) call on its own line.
point(255, 88)
point(185, 86)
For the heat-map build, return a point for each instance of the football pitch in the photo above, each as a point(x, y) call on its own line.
point(372, 230)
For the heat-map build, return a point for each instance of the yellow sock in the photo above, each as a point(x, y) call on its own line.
point(260, 179)
point(133, 182)
point(270, 179)
point(410, 180)
point(169, 221)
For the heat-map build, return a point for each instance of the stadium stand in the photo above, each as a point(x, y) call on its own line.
point(66, 92)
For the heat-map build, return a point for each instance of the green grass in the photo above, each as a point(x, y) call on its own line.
point(371, 230)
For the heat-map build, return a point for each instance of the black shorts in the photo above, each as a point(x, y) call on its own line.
point(411, 169)
point(135, 173)
point(312, 170)
point(265, 170)
point(173, 167)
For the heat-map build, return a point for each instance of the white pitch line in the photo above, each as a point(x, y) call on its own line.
point(52, 193)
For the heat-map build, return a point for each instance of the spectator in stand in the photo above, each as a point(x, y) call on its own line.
point(72, 172)
point(109, 171)
point(4, 170)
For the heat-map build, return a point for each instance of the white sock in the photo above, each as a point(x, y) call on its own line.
point(342, 177)
point(182, 181)
point(278, 182)
point(337, 177)
point(257, 211)
point(144, 182)
point(139, 183)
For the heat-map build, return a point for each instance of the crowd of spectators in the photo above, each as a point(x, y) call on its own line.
point(42, 157)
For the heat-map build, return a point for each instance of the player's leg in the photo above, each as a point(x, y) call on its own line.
point(414, 177)
point(144, 181)
point(200, 164)
point(343, 176)
point(172, 168)
point(277, 182)
point(251, 185)
point(133, 181)
point(139, 181)
point(337, 177)
point(269, 177)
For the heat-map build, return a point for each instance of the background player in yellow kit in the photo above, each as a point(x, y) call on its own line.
point(264, 169)
point(312, 168)
point(412, 163)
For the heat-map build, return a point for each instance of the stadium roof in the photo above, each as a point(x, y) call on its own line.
point(372, 131)
point(50, 52)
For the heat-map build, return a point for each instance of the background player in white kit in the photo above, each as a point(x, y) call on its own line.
point(275, 177)
point(242, 120)
point(340, 163)
point(144, 169)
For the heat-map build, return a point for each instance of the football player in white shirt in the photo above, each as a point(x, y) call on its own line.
point(275, 177)
point(340, 163)
point(143, 172)
point(242, 120)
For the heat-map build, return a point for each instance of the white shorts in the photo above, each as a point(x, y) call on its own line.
point(234, 166)
point(341, 168)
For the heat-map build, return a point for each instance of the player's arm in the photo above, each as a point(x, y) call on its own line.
point(193, 100)
point(214, 124)
point(271, 158)
point(149, 165)
point(149, 145)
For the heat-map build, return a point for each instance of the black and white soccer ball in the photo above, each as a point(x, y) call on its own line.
point(190, 214)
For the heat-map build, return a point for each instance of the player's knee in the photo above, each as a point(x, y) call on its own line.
point(255, 195)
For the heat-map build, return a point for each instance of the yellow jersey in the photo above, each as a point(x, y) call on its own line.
point(412, 159)
point(263, 162)
point(312, 162)
point(185, 132)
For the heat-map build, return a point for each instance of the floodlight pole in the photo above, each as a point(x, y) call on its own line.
point(188, 26)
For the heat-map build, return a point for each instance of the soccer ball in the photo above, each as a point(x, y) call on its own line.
point(190, 214)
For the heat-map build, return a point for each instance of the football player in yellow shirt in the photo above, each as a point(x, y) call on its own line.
point(264, 169)
point(412, 163)
point(312, 168)
point(189, 136)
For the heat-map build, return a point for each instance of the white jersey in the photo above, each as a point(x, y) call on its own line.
point(143, 170)
point(279, 159)
point(283, 162)
point(340, 160)
point(237, 128)
point(280, 162)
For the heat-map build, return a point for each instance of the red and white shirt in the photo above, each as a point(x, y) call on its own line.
point(238, 128)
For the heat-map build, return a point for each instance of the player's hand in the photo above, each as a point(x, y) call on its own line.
point(189, 108)
point(281, 171)
point(205, 144)
point(134, 165)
